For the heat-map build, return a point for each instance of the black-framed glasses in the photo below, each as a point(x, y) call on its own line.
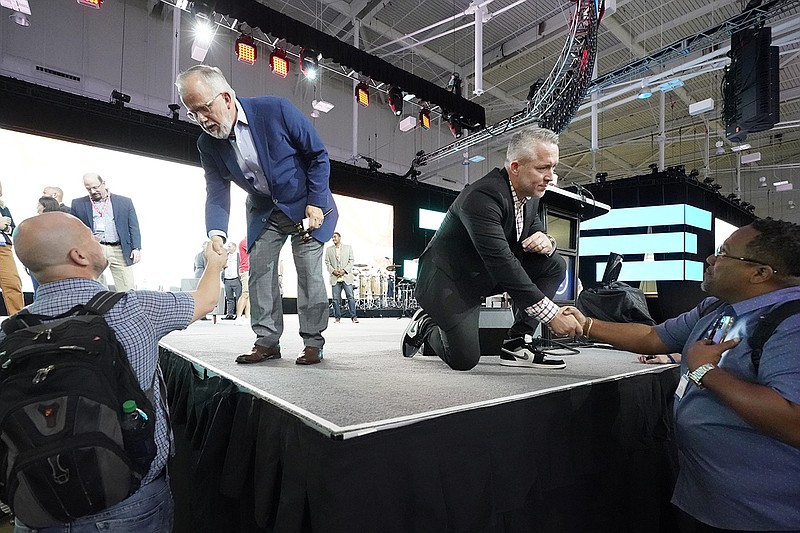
point(719, 252)
point(205, 109)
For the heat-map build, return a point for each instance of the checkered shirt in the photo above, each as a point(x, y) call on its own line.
point(140, 319)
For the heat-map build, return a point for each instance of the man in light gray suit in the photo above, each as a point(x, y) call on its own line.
point(339, 262)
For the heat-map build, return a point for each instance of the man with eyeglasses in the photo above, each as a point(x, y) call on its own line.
point(113, 221)
point(737, 426)
point(266, 146)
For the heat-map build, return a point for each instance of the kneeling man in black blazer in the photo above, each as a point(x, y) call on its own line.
point(492, 241)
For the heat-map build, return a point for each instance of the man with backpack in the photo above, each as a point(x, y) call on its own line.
point(737, 405)
point(61, 252)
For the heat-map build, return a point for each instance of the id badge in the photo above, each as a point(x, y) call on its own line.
point(682, 384)
point(100, 225)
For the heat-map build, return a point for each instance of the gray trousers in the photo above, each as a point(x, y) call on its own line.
point(266, 307)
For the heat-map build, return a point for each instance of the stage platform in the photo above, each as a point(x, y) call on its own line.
point(371, 441)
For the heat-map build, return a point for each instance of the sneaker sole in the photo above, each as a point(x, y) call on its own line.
point(547, 365)
point(407, 348)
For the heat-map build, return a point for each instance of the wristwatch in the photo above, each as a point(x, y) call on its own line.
point(697, 374)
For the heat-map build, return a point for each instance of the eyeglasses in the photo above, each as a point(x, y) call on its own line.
point(204, 109)
point(722, 253)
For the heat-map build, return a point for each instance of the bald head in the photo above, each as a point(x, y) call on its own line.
point(54, 192)
point(57, 246)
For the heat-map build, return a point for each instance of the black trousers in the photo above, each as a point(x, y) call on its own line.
point(458, 345)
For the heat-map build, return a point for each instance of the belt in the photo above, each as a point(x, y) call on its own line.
point(117, 243)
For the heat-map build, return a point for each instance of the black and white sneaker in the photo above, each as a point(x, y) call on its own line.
point(414, 335)
point(517, 352)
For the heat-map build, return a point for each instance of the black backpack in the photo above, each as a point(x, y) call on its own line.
point(63, 381)
point(764, 327)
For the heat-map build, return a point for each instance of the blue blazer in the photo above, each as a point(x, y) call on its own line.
point(293, 158)
point(125, 220)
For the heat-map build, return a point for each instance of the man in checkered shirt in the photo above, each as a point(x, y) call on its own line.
point(63, 256)
point(492, 241)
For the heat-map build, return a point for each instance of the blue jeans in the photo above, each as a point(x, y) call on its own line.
point(336, 296)
point(149, 510)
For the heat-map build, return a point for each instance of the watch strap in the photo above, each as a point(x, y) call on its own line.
point(697, 374)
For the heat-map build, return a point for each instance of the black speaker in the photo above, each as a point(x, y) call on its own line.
point(751, 92)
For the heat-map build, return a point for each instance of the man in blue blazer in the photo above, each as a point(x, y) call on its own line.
point(266, 146)
point(113, 222)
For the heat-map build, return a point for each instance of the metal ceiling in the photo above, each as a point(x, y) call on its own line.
point(521, 41)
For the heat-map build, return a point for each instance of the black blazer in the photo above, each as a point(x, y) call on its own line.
point(476, 246)
point(125, 220)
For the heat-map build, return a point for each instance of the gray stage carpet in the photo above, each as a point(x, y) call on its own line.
point(364, 384)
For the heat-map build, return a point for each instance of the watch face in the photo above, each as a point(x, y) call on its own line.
point(719, 329)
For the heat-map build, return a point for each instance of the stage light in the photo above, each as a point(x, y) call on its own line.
point(396, 100)
point(278, 63)
point(309, 63)
point(708, 180)
point(321, 105)
point(791, 204)
point(425, 118)
point(202, 8)
point(720, 148)
point(600, 177)
point(246, 49)
point(454, 85)
point(694, 174)
point(653, 167)
point(762, 181)
point(534, 88)
point(645, 93)
point(455, 126)
point(203, 37)
point(91, 3)
point(119, 99)
point(20, 19)
point(362, 94)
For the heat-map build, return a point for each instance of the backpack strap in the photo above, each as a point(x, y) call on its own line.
point(101, 302)
point(711, 307)
point(766, 326)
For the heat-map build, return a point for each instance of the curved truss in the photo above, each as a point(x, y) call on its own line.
point(559, 95)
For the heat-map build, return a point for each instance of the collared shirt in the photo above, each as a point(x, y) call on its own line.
point(519, 210)
point(732, 475)
point(140, 319)
point(103, 220)
point(545, 309)
point(246, 154)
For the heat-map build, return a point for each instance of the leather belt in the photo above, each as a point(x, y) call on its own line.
point(117, 243)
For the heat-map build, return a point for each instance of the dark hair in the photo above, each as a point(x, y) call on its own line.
point(777, 245)
point(49, 203)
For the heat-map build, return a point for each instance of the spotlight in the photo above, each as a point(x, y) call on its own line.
point(716, 186)
point(455, 126)
point(91, 3)
point(791, 204)
point(454, 85)
point(362, 94)
point(644, 94)
point(396, 100)
point(202, 8)
point(425, 118)
point(601, 177)
point(175, 110)
point(321, 105)
point(20, 18)
point(309, 63)
point(694, 174)
point(278, 63)
point(203, 36)
point(762, 181)
point(708, 180)
point(653, 168)
point(720, 148)
point(246, 49)
point(119, 99)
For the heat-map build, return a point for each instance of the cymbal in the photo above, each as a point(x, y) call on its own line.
point(360, 265)
point(392, 268)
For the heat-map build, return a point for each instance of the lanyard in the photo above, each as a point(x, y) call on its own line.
point(105, 205)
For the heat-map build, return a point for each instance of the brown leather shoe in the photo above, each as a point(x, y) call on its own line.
point(259, 354)
point(309, 356)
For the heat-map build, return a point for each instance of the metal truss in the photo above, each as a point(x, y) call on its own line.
point(558, 96)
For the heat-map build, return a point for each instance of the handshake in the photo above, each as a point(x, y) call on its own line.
point(569, 321)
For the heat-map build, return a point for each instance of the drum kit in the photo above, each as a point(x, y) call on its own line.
point(378, 288)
